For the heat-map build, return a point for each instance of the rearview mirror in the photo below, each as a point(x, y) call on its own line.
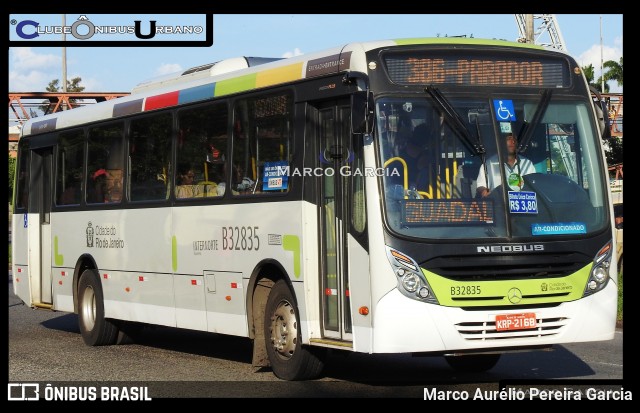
point(362, 113)
point(602, 113)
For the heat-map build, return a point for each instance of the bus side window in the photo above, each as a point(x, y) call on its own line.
point(202, 151)
point(22, 190)
point(105, 164)
point(262, 136)
point(149, 155)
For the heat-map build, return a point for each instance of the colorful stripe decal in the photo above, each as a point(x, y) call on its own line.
point(161, 101)
point(235, 85)
point(197, 93)
point(127, 108)
point(279, 75)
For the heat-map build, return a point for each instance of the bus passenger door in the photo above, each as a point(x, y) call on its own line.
point(39, 228)
point(334, 154)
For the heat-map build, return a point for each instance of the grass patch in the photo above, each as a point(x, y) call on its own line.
point(619, 318)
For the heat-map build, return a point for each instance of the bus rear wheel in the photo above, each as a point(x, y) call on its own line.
point(289, 359)
point(475, 363)
point(95, 329)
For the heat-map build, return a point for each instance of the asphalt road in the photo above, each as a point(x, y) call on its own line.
point(46, 347)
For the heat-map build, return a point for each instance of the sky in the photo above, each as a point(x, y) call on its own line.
point(119, 69)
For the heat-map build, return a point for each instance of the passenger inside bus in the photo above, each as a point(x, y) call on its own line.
point(107, 186)
point(415, 149)
point(186, 187)
point(241, 184)
point(114, 185)
point(71, 194)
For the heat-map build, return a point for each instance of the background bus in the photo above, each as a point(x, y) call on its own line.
point(328, 201)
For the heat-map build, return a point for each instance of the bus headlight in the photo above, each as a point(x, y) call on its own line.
point(599, 275)
point(424, 292)
point(411, 281)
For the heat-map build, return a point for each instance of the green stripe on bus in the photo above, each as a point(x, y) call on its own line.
point(58, 258)
point(235, 85)
point(464, 40)
point(174, 253)
point(292, 243)
point(453, 293)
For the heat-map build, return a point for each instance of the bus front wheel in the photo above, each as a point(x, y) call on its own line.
point(473, 363)
point(289, 359)
point(95, 329)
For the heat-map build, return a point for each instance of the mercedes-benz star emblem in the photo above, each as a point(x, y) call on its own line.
point(514, 295)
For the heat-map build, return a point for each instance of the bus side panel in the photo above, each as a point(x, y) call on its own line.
point(310, 325)
point(225, 302)
point(132, 252)
point(221, 245)
point(360, 295)
point(19, 252)
point(190, 301)
point(62, 289)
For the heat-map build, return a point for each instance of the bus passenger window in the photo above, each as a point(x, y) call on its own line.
point(105, 164)
point(149, 157)
point(262, 136)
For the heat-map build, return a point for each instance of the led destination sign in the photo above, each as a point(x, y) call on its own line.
point(477, 70)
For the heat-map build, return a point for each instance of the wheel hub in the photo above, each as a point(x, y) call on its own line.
point(284, 330)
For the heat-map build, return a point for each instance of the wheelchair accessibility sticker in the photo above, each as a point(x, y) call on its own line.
point(504, 110)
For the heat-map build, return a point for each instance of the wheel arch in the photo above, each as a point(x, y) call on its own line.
point(265, 274)
point(85, 262)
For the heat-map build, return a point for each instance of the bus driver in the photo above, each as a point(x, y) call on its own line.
point(514, 169)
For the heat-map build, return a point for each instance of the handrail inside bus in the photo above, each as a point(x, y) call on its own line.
point(404, 166)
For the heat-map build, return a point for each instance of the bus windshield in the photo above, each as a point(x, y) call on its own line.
point(495, 165)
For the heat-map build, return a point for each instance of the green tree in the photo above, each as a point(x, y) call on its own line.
point(613, 150)
point(73, 85)
point(589, 73)
point(614, 70)
point(12, 172)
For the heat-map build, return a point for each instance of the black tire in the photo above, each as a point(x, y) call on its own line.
point(289, 359)
point(476, 363)
point(95, 329)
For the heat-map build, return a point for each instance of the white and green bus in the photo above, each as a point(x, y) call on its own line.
point(331, 201)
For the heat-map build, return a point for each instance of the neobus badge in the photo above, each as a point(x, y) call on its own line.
point(511, 248)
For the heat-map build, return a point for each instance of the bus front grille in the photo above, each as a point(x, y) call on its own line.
point(485, 331)
point(503, 267)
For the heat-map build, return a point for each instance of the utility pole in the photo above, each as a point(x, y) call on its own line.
point(64, 60)
point(528, 22)
point(601, 58)
point(547, 34)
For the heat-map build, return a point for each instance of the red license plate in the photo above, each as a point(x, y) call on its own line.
point(523, 321)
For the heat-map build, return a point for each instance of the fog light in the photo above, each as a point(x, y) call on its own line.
point(600, 274)
point(423, 292)
point(411, 282)
point(592, 285)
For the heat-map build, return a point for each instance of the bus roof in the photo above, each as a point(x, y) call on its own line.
point(237, 75)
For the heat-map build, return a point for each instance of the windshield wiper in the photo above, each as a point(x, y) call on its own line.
point(456, 122)
point(526, 131)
